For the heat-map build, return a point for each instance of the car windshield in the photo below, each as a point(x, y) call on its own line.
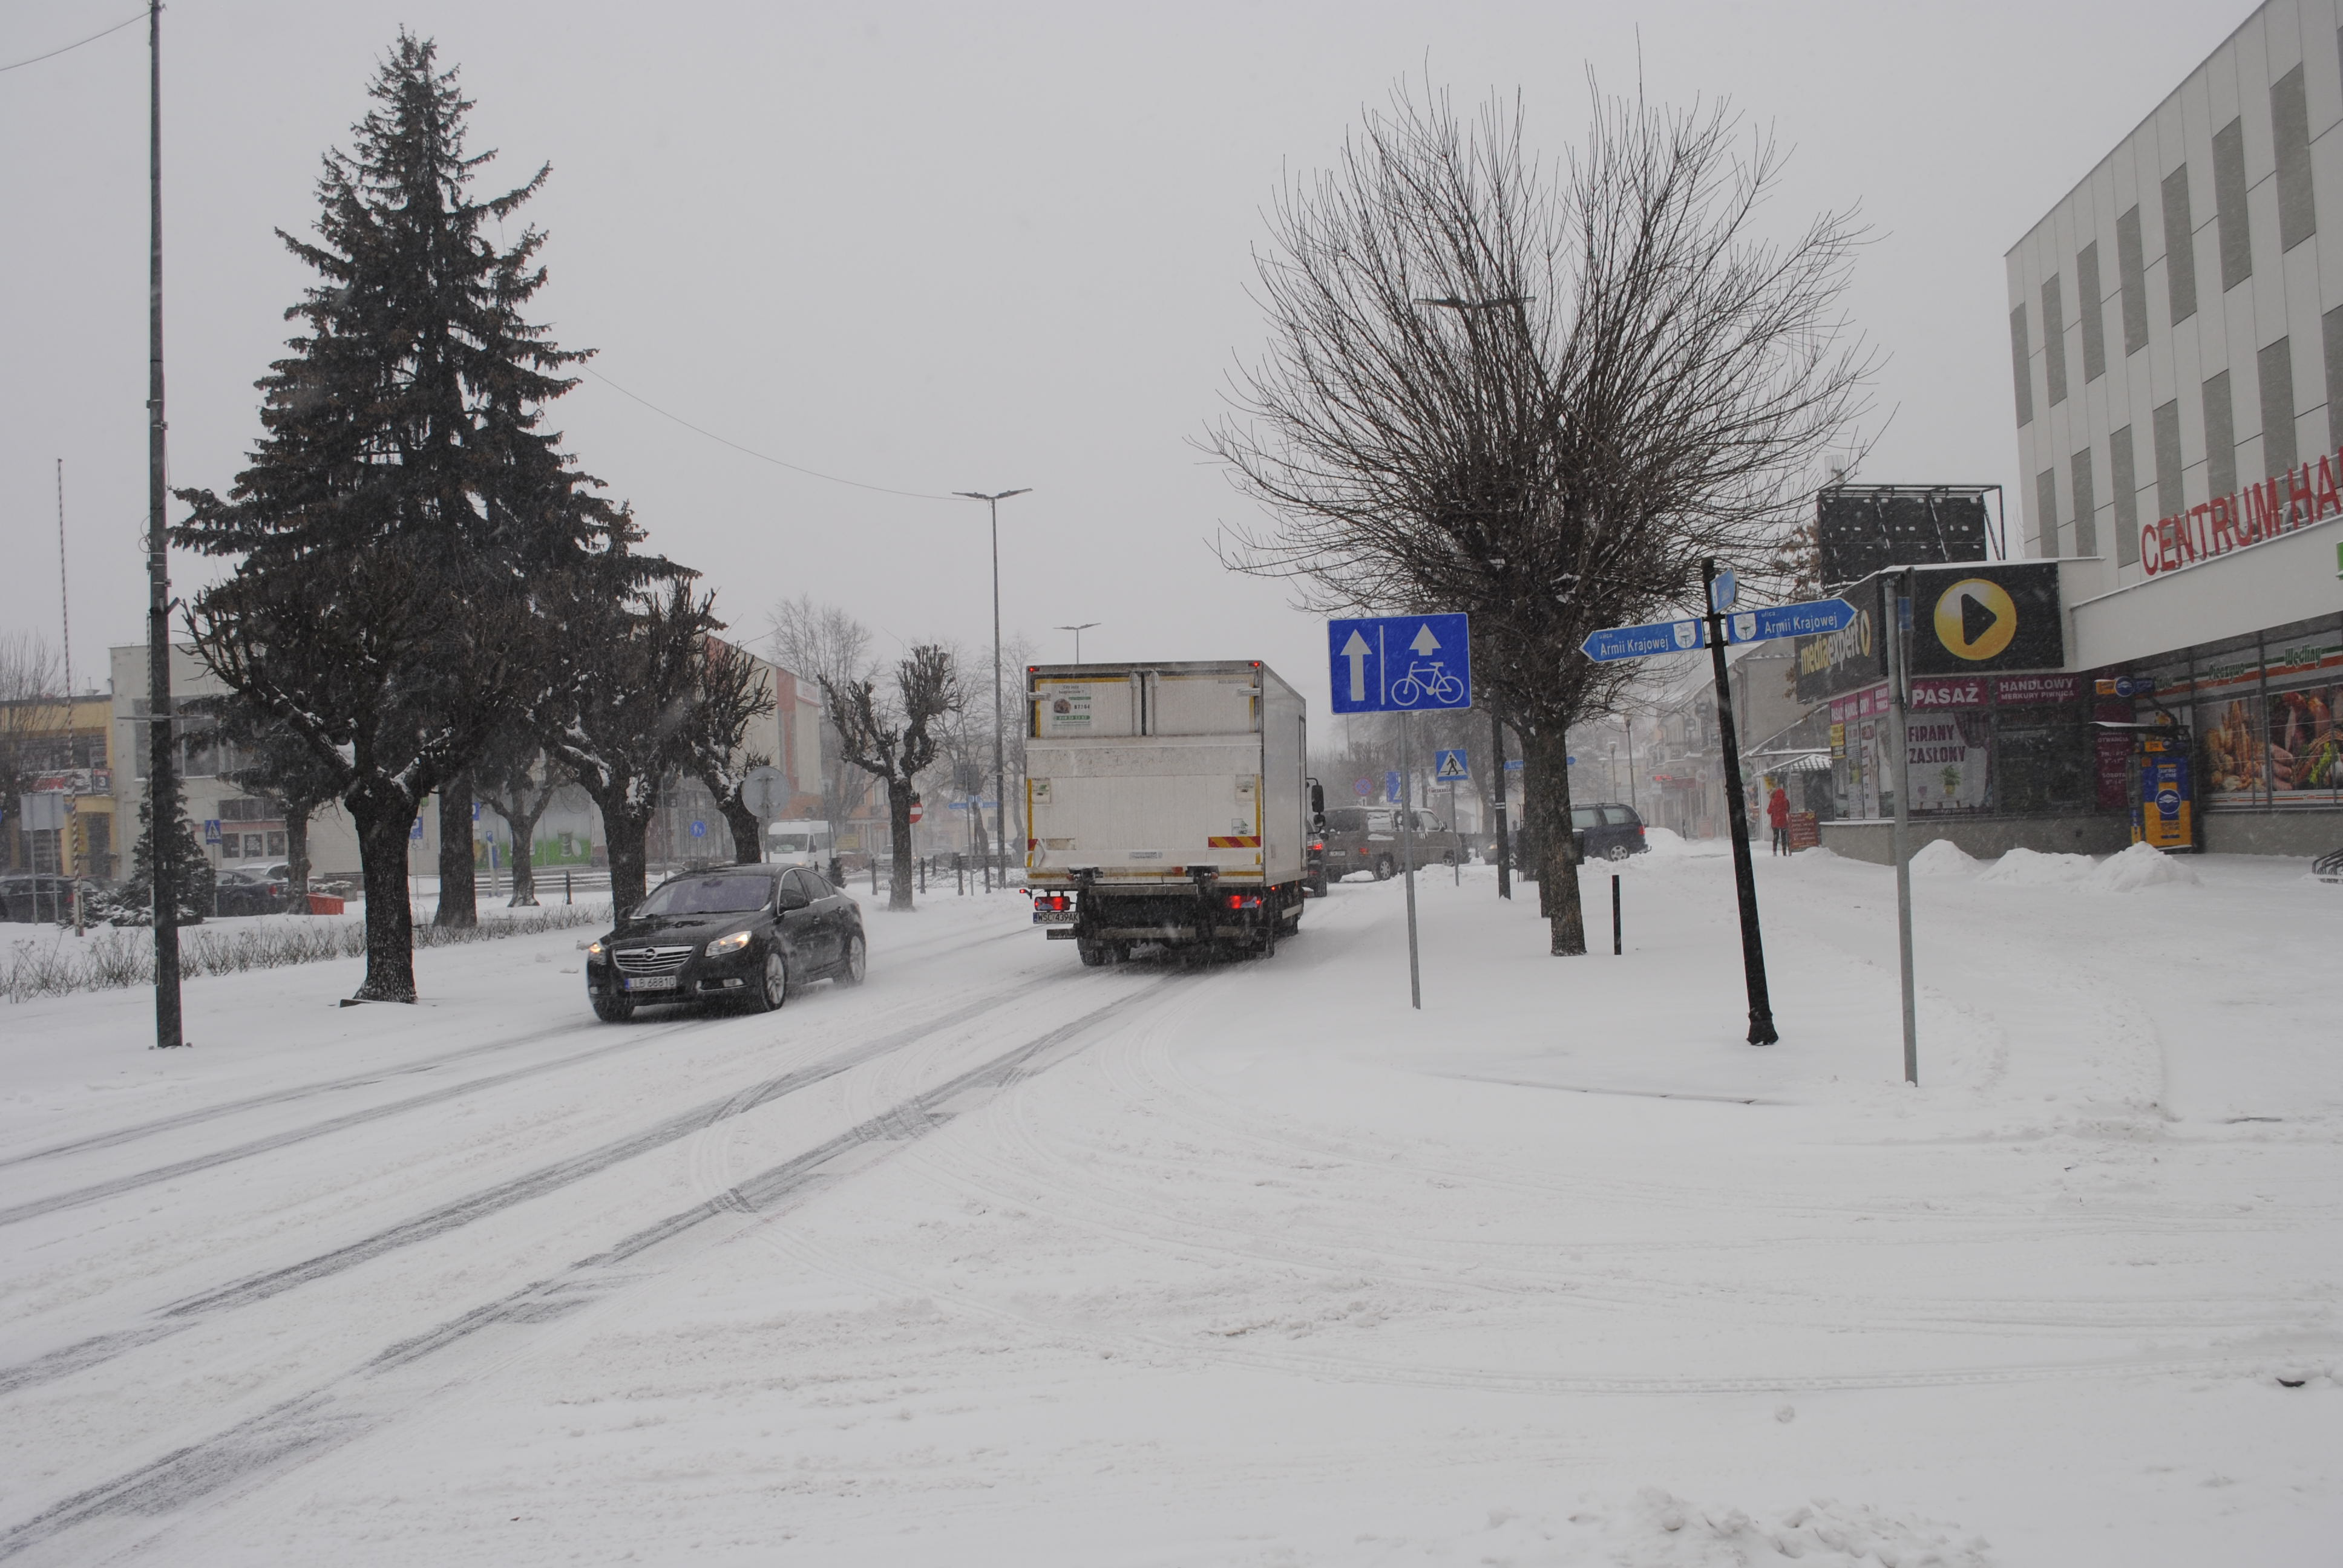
point(710, 896)
point(793, 843)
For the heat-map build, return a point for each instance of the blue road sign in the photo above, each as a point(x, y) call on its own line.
point(1724, 591)
point(1390, 788)
point(1810, 618)
point(212, 829)
point(414, 833)
point(1644, 641)
point(1399, 664)
point(700, 830)
point(1449, 765)
point(1512, 764)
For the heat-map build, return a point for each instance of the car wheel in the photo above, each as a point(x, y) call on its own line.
point(773, 986)
point(1384, 869)
point(856, 964)
point(614, 1009)
point(1619, 852)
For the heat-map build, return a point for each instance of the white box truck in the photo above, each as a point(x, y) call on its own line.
point(1167, 804)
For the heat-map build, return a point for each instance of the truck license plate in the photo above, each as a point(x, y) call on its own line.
point(651, 982)
point(1053, 917)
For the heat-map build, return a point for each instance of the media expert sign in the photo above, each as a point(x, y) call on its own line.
point(1399, 664)
point(1969, 618)
point(2294, 500)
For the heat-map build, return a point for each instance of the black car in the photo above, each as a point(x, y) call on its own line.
point(1607, 831)
point(750, 934)
point(248, 890)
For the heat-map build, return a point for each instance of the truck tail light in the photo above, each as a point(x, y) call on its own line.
point(1239, 901)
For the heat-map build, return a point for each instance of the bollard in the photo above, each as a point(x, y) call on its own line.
point(874, 875)
point(923, 875)
point(1615, 915)
point(565, 895)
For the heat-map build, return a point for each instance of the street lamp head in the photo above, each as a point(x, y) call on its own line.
point(999, 495)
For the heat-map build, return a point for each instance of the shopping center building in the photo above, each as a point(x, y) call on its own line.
point(2176, 332)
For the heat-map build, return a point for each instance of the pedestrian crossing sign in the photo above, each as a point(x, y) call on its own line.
point(1448, 767)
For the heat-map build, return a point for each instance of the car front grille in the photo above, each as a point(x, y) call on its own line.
point(651, 960)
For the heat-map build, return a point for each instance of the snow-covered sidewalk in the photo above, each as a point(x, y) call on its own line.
point(1250, 1264)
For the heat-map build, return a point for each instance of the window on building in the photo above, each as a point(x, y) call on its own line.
point(2277, 367)
point(2131, 270)
point(2127, 497)
point(2297, 216)
point(2180, 247)
point(2046, 512)
point(2229, 208)
point(2053, 340)
point(2087, 522)
point(2220, 437)
point(2169, 502)
point(2019, 355)
point(2090, 306)
point(2331, 334)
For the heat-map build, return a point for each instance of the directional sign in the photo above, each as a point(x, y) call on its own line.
point(1449, 765)
point(1810, 618)
point(1390, 788)
point(1644, 641)
point(1724, 591)
point(1399, 664)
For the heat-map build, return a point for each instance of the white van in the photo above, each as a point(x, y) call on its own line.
point(807, 844)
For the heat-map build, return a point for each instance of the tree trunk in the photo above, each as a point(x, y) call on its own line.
point(297, 856)
point(390, 924)
point(1545, 813)
point(522, 823)
point(626, 827)
point(458, 896)
point(748, 831)
point(899, 821)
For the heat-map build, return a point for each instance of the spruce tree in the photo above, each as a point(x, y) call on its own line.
point(134, 901)
point(404, 510)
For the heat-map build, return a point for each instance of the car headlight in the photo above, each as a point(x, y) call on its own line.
point(731, 944)
point(594, 951)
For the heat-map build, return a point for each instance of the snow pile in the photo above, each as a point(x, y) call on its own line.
point(1943, 858)
point(2032, 869)
point(1668, 841)
point(2141, 866)
point(1674, 1533)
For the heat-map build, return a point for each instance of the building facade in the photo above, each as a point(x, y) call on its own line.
point(2177, 341)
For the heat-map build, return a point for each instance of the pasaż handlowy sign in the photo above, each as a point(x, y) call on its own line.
point(1644, 641)
point(1399, 664)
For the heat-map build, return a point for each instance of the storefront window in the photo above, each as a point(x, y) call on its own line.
point(2043, 765)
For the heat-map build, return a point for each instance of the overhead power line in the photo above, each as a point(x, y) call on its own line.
point(69, 48)
point(761, 456)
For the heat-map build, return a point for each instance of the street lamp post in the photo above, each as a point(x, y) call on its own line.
point(1078, 631)
point(1000, 767)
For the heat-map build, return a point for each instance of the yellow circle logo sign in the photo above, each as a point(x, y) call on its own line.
point(1975, 619)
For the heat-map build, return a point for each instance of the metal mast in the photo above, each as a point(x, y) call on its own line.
point(162, 734)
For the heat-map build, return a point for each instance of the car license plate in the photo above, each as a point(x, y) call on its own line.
point(1053, 917)
point(651, 982)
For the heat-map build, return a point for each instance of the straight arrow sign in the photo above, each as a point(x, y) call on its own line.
point(1357, 652)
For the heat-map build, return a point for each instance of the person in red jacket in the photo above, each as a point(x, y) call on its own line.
point(1777, 812)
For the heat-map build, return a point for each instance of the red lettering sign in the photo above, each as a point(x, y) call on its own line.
point(2250, 516)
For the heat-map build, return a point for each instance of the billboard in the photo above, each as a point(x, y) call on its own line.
point(1982, 619)
point(1860, 530)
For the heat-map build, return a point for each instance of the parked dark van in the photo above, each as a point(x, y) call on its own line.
point(1607, 831)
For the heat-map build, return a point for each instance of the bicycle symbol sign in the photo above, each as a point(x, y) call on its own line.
point(1399, 664)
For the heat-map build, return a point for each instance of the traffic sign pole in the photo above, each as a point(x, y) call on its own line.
point(1899, 697)
point(1745, 873)
point(1497, 793)
point(1407, 857)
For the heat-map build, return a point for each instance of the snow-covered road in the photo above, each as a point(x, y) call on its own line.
point(1002, 1259)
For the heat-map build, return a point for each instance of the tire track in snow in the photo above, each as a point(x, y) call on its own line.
point(137, 1130)
point(374, 1395)
point(100, 1190)
point(185, 1313)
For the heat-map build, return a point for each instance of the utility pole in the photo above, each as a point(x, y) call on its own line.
point(1000, 767)
point(162, 734)
point(1899, 697)
point(1745, 875)
point(1497, 789)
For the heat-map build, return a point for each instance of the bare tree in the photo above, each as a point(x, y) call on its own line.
point(733, 693)
point(1538, 395)
point(35, 718)
point(517, 781)
point(822, 644)
point(894, 738)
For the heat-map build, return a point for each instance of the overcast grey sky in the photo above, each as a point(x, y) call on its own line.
point(949, 248)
